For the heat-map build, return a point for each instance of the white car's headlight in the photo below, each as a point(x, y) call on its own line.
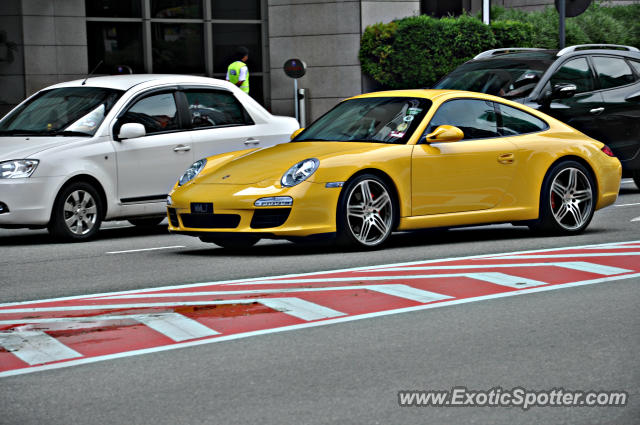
point(300, 172)
point(18, 168)
point(192, 171)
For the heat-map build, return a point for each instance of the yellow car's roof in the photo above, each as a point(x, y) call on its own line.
point(427, 94)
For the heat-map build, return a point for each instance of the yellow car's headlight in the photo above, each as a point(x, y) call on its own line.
point(300, 172)
point(192, 171)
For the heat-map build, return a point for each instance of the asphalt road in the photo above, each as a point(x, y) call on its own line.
point(579, 338)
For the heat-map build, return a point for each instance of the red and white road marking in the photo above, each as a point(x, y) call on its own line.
point(49, 334)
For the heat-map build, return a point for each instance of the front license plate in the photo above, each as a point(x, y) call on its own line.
point(201, 208)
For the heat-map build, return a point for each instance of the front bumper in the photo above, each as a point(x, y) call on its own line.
point(313, 210)
point(29, 201)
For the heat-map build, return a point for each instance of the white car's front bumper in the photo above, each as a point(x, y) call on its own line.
point(29, 200)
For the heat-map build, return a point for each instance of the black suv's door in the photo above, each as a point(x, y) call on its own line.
point(581, 110)
point(620, 118)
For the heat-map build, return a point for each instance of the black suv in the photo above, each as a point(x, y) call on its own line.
point(593, 87)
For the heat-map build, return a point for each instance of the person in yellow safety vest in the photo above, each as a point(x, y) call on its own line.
point(238, 72)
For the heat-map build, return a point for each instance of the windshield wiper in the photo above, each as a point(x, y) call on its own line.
point(68, 133)
point(18, 132)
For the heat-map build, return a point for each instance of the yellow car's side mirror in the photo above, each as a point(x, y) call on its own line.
point(445, 133)
point(295, 133)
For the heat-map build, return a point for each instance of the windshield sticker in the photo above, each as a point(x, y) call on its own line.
point(408, 118)
point(403, 126)
point(397, 134)
point(414, 111)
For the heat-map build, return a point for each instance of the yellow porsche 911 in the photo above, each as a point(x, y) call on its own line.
point(397, 161)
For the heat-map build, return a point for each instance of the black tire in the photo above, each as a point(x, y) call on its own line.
point(231, 242)
point(146, 222)
point(567, 199)
point(77, 213)
point(636, 178)
point(366, 213)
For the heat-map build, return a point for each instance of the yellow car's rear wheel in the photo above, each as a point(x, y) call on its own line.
point(366, 212)
point(567, 200)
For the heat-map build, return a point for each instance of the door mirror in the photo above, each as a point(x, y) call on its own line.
point(295, 133)
point(131, 130)
point(445, 133)
point(563, 90)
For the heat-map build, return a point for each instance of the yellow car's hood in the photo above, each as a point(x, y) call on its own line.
point(271, 163)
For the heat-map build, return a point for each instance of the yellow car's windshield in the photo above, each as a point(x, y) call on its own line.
point(369, 119)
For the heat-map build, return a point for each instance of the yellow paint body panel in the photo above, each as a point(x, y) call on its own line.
point(438, 184)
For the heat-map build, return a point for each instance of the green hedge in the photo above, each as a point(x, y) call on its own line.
point(417, 51)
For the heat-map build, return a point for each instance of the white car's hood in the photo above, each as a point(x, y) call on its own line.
point(26, 147)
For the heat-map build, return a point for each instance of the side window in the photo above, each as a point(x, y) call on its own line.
point(612, 72)
point(575, 71)
point(476, 118)
point(514, 121)
point(212, 108)
point(158, 113)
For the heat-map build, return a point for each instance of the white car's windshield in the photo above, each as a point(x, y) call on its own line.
point(67, 111)
point(369, 119)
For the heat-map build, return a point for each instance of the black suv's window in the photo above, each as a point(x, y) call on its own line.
point(635, 65)
point(612, 72)
point(575, 71)
point(509, 76)
point(476, 118)
point(157, 113)
point(213, 108)
point(514, 121)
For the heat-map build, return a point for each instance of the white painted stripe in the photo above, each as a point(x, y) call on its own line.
point(146, 249)
point(36, 347)
point(574, 265)
point(635, 219)
point(410, 293)
point(352, 269)
point(306, 308)
point(599, 254)
point(299, 308)
point(175, 326)
point(627, 205)
point(398, 290)
point(506, 280)
point(314, 324)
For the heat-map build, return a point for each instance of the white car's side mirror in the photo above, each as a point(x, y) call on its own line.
point(131, 130)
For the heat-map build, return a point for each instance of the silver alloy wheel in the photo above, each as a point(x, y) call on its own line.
point(80, 212)
point(369, 212)
point(571, 198)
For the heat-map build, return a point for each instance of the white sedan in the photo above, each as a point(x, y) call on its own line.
point(110, 148)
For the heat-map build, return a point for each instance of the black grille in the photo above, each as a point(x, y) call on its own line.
point(269, 217)
point(173, 217)
point(210, 221)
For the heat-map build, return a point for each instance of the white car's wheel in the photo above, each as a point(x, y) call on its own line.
point(77, 213)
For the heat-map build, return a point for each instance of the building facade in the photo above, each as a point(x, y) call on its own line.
point(43, 42)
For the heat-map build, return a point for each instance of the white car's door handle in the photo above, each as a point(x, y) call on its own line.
point(251, 141)
point(182, 148)
point(597, 111)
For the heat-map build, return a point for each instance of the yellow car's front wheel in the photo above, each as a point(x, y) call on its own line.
point(366, 212)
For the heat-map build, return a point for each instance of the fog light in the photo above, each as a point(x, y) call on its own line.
point(274, 201)
point(3, 208)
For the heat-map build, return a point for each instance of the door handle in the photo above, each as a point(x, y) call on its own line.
point(182, 148)
point(597, 111)
point(251, 141)
point(506, 158)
